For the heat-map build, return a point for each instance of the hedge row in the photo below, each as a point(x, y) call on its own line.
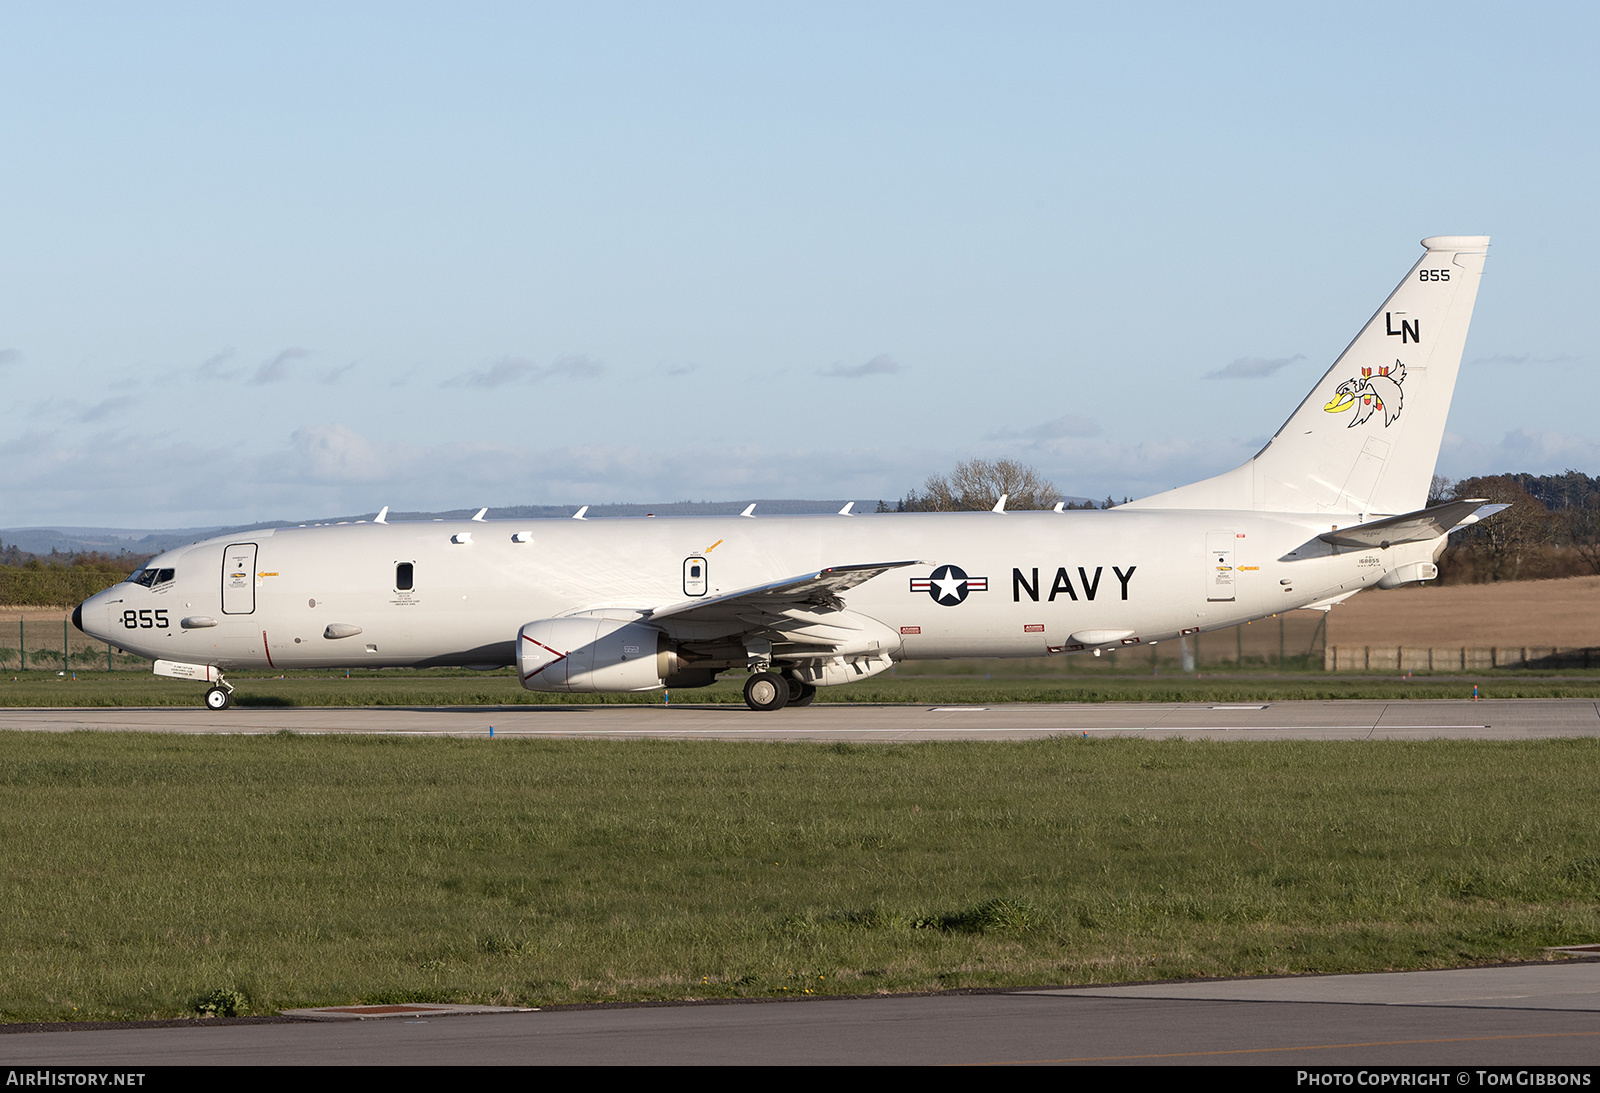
point(54, 585)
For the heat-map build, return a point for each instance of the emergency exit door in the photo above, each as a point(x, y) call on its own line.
point(694, 576)
point(239, 579)
point(1223, 571)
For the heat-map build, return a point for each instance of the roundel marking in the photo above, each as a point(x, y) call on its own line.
point(949, 585)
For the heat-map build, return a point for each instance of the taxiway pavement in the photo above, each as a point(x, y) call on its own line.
point(1508, 719)
point(1525, 1016)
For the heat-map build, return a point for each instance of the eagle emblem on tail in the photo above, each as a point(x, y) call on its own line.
point(1369, 394)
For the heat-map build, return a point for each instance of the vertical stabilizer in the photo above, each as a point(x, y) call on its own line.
point(1367, 437)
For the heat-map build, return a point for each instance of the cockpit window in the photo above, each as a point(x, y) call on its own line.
point(150, 576)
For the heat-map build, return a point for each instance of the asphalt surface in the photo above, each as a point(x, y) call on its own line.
point(1524, 1016)
point(1509, 719)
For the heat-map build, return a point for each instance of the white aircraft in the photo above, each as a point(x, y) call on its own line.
point(1333, 504)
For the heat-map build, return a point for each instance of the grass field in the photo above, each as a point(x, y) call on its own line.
point(146, 873)
point(955, 684)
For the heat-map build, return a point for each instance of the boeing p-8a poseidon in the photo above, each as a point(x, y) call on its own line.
point(1333, 504)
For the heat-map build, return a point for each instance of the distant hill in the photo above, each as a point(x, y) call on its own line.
point(44, 541)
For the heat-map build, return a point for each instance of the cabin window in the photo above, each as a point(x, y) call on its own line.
point(402, 576)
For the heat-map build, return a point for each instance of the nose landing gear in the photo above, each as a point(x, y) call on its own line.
point(218, 697)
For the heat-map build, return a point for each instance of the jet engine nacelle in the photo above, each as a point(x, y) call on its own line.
point(586, 654)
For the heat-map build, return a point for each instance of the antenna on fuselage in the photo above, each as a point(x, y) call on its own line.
point(848, 505)
point(579, 515)
point(749, 510)
point(382, 517)
point(479, 515)
point(1000, 505)
point(1059, 506)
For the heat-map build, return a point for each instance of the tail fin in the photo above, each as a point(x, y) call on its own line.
point(1367, 437)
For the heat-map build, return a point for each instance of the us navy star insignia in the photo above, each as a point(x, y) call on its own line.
point(949, 585)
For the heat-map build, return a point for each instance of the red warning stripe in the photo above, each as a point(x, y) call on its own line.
point(559, 657)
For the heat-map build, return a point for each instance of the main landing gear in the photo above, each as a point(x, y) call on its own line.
point(800, 694)
point(766, 691)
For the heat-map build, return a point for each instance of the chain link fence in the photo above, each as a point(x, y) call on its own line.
point(36, 641)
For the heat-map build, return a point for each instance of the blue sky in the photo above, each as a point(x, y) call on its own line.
point(279, 261)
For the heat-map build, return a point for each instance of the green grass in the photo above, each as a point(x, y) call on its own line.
point(916, 684)
point(150, 875)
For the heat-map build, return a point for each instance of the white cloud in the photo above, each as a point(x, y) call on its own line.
point(881, 365)
point(519, 370)
point(1517, 452)
point(1249, 368)
point(117, 479)
point(503, 371)
point(334, 454)
point(213, 368)
point(276, 370)
point(66, 409)
point(1072, 425)
point(577, 366)
point(122, 479)
point(1097, 466)
point(1523, 358)
point(104, 409)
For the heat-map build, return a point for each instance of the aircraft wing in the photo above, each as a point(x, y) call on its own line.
point(1412, 527)
point(808, 592)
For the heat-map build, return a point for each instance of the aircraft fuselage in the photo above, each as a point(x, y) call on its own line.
point(1016, 584)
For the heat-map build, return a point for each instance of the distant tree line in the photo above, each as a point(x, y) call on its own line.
point(1552, 528)
point(976, 485)
point(56, 579)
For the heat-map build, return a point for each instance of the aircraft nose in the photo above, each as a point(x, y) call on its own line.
point(77, 617)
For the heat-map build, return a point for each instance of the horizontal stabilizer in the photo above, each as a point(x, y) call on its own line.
point(1483, 513)
point(811, 590)
point(1411, 527)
